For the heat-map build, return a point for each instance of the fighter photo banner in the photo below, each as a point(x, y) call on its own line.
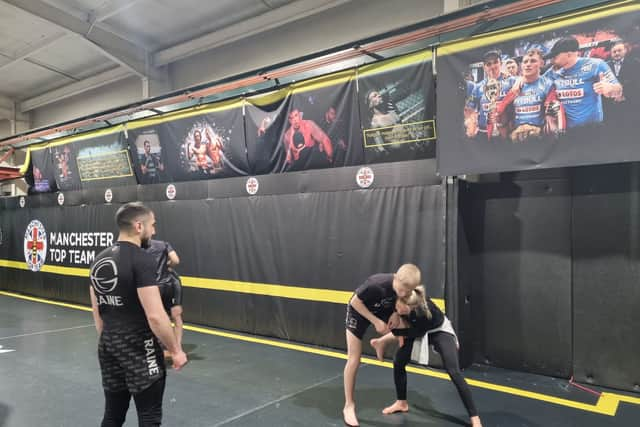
point(66, 169)
point(323, 124)
point(265, 119)
point(563, 92)
point(203, 143)
point(397, 108)
point(147, 153)
point(43, 171)
point(104, 160)
point(313, 124)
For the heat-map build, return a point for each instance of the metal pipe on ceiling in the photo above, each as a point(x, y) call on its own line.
point(359, 50)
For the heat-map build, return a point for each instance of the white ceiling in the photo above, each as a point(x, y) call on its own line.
point(53, 47)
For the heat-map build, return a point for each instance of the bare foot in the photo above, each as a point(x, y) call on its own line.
point(377, 345)
point(397, 406)
point(349, 414)
point(475, 421)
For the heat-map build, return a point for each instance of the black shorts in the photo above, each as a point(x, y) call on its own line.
point(130, 360)
point(358, 324)
point(171, 291)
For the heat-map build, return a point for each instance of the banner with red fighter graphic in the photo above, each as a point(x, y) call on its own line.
point(309, 125)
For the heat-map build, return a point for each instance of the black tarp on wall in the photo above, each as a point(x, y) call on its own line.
point(521, 290)
point(551, 267)
point(290, 235)
point(606, 271)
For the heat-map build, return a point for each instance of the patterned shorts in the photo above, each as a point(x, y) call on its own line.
point(130, 361)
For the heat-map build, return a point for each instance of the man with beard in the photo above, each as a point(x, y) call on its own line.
point(130, 319)
point(304, 134)
point(626, 69)
point(383, 113)
point(150, 166)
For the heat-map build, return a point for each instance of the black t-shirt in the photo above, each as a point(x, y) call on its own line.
point(160, 251)
point(419, 324)
point(378, 295)
point(116, 274)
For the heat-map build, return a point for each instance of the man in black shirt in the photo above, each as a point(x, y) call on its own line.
point(169, 282)
point(372, 303)
point(129, 315)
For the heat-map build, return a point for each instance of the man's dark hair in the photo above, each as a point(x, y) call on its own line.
point(130, 213)
point(492, 54)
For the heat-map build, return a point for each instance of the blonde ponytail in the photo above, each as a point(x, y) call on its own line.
point(418, 300)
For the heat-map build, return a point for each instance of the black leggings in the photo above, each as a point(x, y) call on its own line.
point(445, 344)
point(148, 404)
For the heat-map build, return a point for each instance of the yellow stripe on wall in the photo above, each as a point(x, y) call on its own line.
point(521, 31)
point(282, 291)
point(183, 114)
point(393, 64)
point(303, 86)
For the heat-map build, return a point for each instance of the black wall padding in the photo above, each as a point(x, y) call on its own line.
point(461, 273)
point(313, 239)
point(330, 240)
point(606, 218)
point(519, 252)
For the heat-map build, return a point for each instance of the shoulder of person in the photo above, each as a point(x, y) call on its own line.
point(380, 277)
point(106, 252)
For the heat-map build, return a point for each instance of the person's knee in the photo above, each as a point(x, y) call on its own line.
point(151, 417)
point(399, 365)
point(455, 374)
point(353, 360)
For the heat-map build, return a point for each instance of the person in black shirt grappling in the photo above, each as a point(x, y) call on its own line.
point(372, 303)
point(129, 315)
point(421, 318)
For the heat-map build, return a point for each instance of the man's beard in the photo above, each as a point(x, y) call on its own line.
point(144, 242)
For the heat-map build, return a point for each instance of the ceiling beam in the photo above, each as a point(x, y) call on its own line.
point(5, 101)
point(112, 8)
point(35, 48)
point(74, 89)
point(115, 47)
point(272, 19)
point(6, 113)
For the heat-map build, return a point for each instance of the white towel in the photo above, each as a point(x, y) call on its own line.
point(420, 352)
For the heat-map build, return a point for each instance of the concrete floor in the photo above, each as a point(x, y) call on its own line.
point(49, 376)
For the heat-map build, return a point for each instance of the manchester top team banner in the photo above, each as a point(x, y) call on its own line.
point(563, 92)
point(397, 105)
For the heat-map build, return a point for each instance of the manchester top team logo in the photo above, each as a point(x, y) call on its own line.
point(35, 245)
